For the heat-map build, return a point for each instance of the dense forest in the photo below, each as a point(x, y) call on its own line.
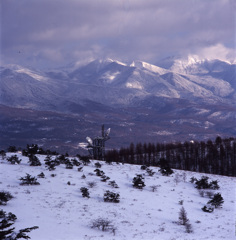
point(216, 157)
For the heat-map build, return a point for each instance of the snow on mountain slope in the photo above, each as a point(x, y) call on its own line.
point(112, 82)
point(62, 213)
point(148, 66)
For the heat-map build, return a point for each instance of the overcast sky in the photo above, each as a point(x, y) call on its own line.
point(54, 33)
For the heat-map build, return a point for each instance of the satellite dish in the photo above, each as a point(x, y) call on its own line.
point(89, 140)
point(108, 132)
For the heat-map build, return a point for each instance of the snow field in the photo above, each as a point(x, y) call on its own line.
point(62, 213)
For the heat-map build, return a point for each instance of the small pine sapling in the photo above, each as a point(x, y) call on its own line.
point(111, 197)
point(69, 164)
point(29, 180)
point(138, 181)
point(14, 159)
point(143, 167)
point(33, 160)
point(85, 192)
point(214, 185)
point(150, 172)
point(92, 184)
point(216, 201)
point(113, 184)
point(41, 175)
point(98, 165)
point(183, 217)
point(5, 197)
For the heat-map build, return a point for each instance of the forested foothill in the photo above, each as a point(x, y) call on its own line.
point(215, 157)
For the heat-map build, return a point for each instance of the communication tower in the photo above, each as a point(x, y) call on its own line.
point(96, 146)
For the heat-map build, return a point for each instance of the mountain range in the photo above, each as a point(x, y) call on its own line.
point(173, 100)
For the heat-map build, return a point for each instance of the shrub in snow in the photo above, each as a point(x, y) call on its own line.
point(214, 185)
point(181, 202)
point(75, 162)
point(85, 160)
point(217, 200)
point(50, 163)
point(113, 184)
point(138, 181)
point(14, 159)
point(104, 178)
point(143, 167)
point(102, 224)
point(41, 175)
point(204, 184)
point(85, 192)
point(98, 165)
point(69, 164)
point(111, 197)
point(208, 208)
point(92, 184)
point(61, 159)
point(5, 197)
point(154, 187)
point(99, 172)
point(150, 172)
point(193, 179)
point(83, 176)
point(29, 180)
point(33, 160)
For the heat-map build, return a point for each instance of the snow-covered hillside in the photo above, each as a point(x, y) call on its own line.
point(62, 213)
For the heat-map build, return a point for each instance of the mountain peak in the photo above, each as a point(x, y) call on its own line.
point(148, 66)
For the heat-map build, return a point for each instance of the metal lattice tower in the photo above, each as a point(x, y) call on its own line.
point(96, 146)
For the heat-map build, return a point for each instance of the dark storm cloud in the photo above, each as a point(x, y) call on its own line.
point(55, 32)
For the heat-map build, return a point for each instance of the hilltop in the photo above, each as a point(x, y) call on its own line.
point(57, 207)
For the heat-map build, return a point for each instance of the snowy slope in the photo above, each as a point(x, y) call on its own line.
point(62, 213)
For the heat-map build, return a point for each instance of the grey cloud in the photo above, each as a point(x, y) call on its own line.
point(57, 32)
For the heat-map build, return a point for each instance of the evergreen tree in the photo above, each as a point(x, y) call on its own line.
point(217, 200)
point(5, 197)
point(165, 169)
point(183, 220)
point(111, 197)
point(7, 231)
point(29, 180)
point(85, 192)
point(14, 159)
point(138, 181)
point(33, 160)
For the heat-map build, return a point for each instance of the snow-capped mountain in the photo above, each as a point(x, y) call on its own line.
point(200, 93)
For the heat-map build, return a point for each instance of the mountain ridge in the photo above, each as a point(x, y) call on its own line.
point(133, 97)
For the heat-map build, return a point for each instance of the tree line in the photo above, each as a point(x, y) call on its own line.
point(215, 157)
